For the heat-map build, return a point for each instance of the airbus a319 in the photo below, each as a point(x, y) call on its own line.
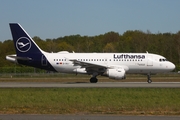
point(113, 65)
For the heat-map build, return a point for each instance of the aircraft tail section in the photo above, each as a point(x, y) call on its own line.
point(27, 51)
point(23, 43)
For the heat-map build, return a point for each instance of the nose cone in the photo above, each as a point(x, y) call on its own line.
point(171, 66)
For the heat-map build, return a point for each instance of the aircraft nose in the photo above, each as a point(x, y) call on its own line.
point(171, 66)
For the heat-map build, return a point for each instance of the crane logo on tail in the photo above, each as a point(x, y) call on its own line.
point(23, 44)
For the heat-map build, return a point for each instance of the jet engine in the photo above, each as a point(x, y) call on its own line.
point(117, 74)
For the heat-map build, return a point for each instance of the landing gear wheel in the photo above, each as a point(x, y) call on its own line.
point(93, 80)
point(149, 78)
point(149, 81)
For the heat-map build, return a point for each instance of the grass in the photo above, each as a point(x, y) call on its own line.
point(125, 101)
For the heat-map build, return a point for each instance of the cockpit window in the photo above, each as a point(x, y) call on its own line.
point(162, 60)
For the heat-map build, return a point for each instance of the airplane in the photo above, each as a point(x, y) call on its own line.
point(112, 65)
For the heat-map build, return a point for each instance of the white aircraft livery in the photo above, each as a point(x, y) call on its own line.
point(112, 65)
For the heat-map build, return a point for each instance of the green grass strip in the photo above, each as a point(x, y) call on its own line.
point(135, 101)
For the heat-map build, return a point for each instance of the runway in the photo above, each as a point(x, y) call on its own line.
point(85, 117)
point(90, 85)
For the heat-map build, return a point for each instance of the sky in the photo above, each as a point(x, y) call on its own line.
point(49, 19)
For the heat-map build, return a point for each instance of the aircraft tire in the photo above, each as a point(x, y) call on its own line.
point(93, 80)
point(149, 81)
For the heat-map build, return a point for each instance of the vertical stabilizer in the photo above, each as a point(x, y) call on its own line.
point(23, 43)
point(27, 51)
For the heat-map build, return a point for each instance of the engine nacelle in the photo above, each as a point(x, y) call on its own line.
point(117, 74)
point(80, 70)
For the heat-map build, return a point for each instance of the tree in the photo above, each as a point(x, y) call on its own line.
point(51, 46)
point(109, 48)
point(177, 42)
point(111, 37)
point(41, 43)
point(165, 44)
point(65, 47)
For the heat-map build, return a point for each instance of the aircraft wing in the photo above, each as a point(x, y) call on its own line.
point(87, 64)
point(100, 68)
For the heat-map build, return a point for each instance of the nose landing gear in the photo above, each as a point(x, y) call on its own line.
point(149, 78)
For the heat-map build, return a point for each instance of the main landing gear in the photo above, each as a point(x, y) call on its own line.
point(93, 80)
point(149, 78)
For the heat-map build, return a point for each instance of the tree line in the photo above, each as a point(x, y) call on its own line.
point(165, 44)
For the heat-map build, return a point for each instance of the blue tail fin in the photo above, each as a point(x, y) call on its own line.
point(24, 44)
point(28, 53)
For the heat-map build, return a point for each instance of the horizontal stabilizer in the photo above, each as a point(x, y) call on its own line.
point(14, 58)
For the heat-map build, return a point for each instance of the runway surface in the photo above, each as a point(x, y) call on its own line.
point(90, 85)
point(85, 117)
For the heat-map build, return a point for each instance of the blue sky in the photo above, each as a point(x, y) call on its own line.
point(58, 18)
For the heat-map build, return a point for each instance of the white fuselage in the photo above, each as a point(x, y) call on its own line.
point(131, 62)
